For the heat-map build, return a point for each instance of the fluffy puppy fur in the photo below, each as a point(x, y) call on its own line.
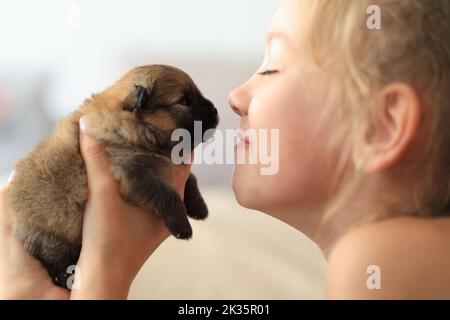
point(133, 120)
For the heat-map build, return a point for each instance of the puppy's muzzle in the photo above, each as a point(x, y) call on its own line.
point(210, 116)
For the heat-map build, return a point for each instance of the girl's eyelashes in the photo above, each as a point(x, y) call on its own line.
point(268, 72)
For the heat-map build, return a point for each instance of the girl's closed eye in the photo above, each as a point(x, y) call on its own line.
point(274, 56)
point(268, 72)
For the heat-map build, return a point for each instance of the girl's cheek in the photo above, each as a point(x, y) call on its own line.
point(279, 108)
point(267, 96)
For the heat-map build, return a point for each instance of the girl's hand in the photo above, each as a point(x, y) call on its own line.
point(21, 275)
point(117, 237)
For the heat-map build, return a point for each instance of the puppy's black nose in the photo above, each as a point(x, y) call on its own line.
point(215, 111)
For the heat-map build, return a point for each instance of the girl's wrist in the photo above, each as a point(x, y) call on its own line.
point(100, 279)
point(100, 287)
point(31, 289)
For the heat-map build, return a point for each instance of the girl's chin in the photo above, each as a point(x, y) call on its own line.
point(246, 188)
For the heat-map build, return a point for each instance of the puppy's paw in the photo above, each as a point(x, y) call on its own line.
point(197, 209)
point(180, 228)
point(195, 205)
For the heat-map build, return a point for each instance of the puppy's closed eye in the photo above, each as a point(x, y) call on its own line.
point(186, 101)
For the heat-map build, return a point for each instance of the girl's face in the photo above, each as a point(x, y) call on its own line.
point(288, 93)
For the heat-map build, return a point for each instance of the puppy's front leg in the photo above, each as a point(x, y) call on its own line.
point(193, 200)
point(142, 185)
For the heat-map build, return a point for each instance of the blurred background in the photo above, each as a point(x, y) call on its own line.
point(56, 53)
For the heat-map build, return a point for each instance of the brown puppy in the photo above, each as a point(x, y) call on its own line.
point(134, 120)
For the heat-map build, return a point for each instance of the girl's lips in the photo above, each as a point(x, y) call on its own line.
point(243, 140)
point(241, 144)
point(242, 137)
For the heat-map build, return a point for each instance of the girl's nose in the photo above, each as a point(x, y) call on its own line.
point(239, 100)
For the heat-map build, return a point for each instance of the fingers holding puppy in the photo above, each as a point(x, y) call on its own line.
point(100, 178)
point(98, 166)
point(4, 221)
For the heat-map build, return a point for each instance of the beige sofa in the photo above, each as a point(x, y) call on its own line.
point(235, 254)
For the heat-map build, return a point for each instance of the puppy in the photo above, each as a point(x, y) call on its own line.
point(133, 120)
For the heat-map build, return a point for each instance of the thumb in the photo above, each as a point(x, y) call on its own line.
point(5, 223)
point(99, 175)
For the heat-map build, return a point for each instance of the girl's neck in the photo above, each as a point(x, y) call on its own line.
point(326, 231)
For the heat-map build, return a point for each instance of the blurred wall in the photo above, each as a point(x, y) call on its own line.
point(81, 47)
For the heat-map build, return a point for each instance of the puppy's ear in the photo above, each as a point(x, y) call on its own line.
point(143, 97)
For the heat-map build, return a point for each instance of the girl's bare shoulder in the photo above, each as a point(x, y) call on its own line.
point(404, 258)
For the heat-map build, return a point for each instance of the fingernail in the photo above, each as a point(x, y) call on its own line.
point(11, 177)
point(83, 124)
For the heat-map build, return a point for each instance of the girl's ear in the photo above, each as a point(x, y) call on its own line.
point(389, 132)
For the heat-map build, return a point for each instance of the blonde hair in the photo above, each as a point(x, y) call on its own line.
point(413, 47)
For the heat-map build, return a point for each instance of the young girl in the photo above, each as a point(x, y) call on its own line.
point(364, 150)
